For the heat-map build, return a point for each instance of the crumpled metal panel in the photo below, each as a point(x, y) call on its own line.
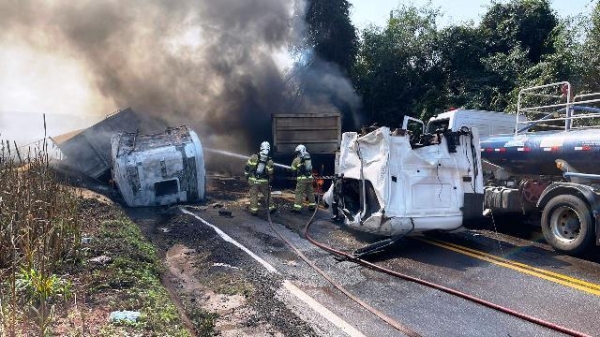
point(391, 188)
point(88, 150)
point(159, 169)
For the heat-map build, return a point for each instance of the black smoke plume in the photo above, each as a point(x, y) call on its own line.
point(206, 63)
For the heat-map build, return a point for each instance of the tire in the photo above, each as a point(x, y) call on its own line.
point(567, 224)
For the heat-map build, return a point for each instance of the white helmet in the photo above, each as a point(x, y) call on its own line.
point(300, 149)
point(265, 147)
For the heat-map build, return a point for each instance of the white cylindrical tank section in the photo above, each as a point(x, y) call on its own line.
point(159, 169)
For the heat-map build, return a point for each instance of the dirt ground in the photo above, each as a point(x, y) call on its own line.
point(210, 282)
point(205, 275)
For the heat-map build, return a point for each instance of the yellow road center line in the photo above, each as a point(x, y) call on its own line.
point(501, 259)
point(520, 267)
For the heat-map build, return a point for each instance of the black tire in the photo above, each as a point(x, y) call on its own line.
point(567, 224)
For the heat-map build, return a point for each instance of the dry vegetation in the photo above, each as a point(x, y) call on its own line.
point(49, 284)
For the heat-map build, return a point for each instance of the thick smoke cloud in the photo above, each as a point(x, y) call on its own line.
point(205, 63)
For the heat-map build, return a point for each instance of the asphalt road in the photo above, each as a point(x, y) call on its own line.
point(522, 274)
point(552, 287)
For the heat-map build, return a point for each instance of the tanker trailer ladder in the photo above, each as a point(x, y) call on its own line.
point(439, 287)
point(393, 323)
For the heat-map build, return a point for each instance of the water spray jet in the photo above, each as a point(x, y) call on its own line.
point(241, 156)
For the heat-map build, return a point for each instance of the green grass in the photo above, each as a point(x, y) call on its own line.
point(136, 273)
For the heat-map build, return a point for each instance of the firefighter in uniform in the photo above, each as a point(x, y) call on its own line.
point(259, 172)
point(302, 167)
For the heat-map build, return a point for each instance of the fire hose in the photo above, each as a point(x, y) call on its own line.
point(451, 291)
point(398, 326)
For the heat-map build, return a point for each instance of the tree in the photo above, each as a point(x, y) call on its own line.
point(520, 35)
point(397, 71)
point(330, 32)
point(590, 53)
point(527, 24)
point(461, 51)
point(410, 68)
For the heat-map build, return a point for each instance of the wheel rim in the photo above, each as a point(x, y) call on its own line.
point(565, 224)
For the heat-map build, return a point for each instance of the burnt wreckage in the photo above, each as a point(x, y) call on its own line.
point(150, 170)
point(159, 169)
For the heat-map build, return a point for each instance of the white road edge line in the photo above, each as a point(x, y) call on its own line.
point(323, 311)
point(301, 295)
point(231, 240)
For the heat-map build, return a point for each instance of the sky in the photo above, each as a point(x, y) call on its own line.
point(365, 12)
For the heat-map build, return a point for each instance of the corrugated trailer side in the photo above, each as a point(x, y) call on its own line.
point(320, 132)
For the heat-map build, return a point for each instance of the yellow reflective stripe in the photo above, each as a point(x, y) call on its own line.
point(303, 178)
point(297, 206)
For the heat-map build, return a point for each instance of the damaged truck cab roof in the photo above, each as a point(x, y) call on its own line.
point(159, 169)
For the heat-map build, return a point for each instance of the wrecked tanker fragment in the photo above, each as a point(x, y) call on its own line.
point(390, 185)
point(88, 150)
point(159, 169)
point(487, 122)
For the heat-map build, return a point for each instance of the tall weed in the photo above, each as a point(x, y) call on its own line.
point(39, 231)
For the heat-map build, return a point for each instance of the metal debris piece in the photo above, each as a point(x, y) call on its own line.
point(225, 213)
point(216, 205)
point(219, 264)
point(198, 208)
point(88, 150)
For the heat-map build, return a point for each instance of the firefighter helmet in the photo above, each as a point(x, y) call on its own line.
point(264, 146)
point(300, 150)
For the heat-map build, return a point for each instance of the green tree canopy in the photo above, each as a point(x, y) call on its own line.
point(398, 69)
point(527, 24)
point(330, 32)
point(409, 67)
point(591, 52)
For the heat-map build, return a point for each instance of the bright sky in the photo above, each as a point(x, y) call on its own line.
point(377, 12)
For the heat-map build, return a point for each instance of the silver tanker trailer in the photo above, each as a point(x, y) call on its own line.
point(549, 168)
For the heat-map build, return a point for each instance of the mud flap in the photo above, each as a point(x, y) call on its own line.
point(472, 209)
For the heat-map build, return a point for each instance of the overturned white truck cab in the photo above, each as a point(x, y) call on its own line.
point(389, 184)
point(159, 169)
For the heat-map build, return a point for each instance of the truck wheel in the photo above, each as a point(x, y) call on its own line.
point(567, 224)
